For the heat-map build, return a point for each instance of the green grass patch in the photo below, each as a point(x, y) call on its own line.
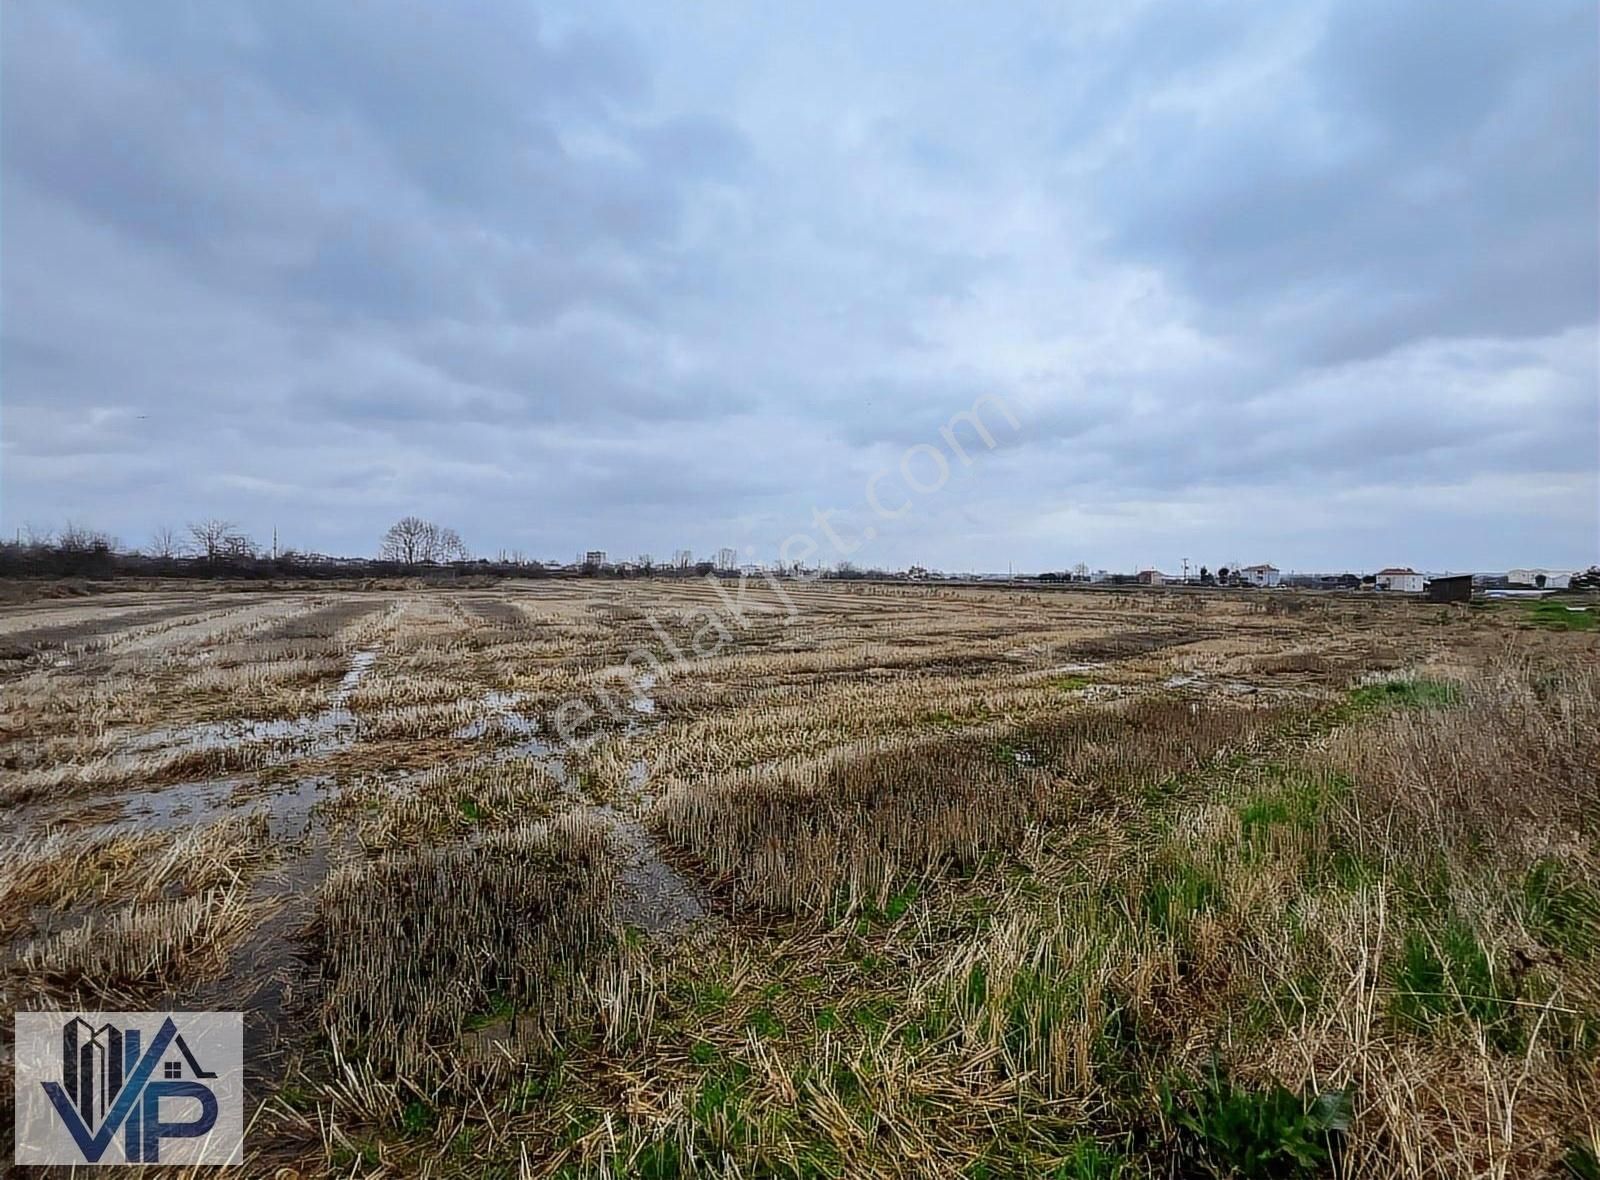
point(711, 997)
point(1292, 800)
point(871, 914)
point(1559, 616)
point(418, 1118)
point(1008, 755)
point(1405, 694)
point(500, 1007)
point(1069, 684)
point(1581, 1161)
point(1177, 891)
point(1562, 911)
point(873, 1016)
point(1089, 1159)
point(1444, 974)
point(1555, 615)
point(764, 1024)
point(296, 1097)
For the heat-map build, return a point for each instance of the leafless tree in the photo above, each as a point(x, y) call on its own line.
point(683, 559)
point(449, 546)
point(411, 540)
point(164, 542)
point(239, 545)
point(407, 541)
point(216, 538)
point(75, 538)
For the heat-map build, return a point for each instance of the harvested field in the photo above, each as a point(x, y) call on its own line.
point(684, 878)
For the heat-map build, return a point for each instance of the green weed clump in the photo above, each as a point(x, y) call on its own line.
point(1444, 974)
point(1230, 1130)
point(1561, 909)
point(1406, 694)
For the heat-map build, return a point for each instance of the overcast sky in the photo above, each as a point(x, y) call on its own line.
point(1304, 283)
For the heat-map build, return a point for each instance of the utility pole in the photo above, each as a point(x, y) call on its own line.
point(1186, 569)
point(274, 542)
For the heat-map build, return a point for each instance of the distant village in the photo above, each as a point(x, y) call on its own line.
point(414, 547)
point(1438, 587)
point(1444, 586)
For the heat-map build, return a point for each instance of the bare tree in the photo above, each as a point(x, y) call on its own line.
point(216, 538)
point(449, 546)
point(407, 541)
point(75, 538)
point(411, 540)
point(164, 542)
point(239, 545)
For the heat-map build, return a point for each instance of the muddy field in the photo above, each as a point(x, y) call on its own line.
point(672, 878)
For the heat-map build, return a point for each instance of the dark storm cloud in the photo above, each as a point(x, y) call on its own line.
point(646, 279)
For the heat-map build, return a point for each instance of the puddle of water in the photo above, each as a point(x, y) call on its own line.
point(642, 701)
point(500, 718)
point(320, 733)
point(360, 664)
point(188, 805)
point(265, 968)
point(184, 805)
point(655, 896)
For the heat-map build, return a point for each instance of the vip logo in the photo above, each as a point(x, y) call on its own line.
point(129, 1087)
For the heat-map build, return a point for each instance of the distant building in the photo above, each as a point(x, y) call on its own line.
point(1537, 579)
point(1401, 579)
point(595, 557)
point(1453, 588)
point(1259, 575)
point(1151, 578)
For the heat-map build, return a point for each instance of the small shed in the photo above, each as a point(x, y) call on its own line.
point(1455, 588)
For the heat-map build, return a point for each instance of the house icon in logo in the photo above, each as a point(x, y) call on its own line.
point(93, 1061)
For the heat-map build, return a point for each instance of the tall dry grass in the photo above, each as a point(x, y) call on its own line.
point(1514, 765)
point(418, 945)
point(853, 828)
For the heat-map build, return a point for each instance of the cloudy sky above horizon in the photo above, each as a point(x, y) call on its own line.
point(1316, 284)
